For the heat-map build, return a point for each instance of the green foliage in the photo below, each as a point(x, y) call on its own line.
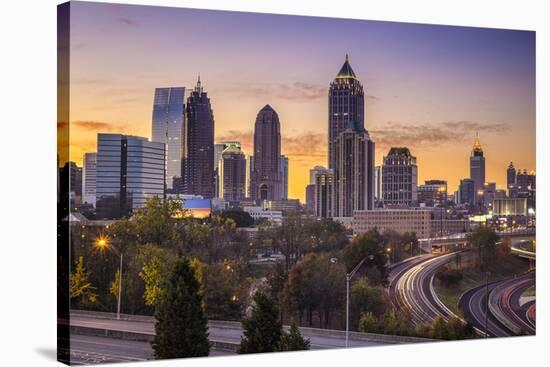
point(315, 284)
point(240, 217)
point(484, 241)
point(293, 340)
point(370, 245)
point(276, 279)
point(115, 285)
point(181, 328)
point(151, 275)
point(368, 323)
point(449, 277)
point(80, 287)
point(452, 329)
point(262, 331)
point(366, 299)
point(224, 292)
point(390, 323)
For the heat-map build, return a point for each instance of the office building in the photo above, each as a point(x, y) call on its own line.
point(467, 193)
point(167, 128)
point(219, 147)
point(198, 145)
point(398, 220)
point(511, 176)
point(266, 183)
point(89, 178)
point(129, 171)
point(232, 174)
point(477, 168)
point(324, 194)
point(509, 206)
point(310, 197)
point(283, 174)
point(433, 193)
point(399, 178)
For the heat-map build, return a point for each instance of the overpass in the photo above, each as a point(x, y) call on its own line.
point(459, 240)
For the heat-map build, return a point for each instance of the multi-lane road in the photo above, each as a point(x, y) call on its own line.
point(503, 314)
point(411, 288)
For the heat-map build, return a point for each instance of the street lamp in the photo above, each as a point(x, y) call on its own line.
point(102, 243)
point(348, 280)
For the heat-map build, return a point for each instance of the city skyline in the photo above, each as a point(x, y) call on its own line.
point(427, 103)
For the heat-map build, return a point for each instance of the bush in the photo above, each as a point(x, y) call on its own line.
point(449, 277)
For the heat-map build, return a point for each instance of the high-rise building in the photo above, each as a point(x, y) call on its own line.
point(350, 149)
point(324, 194)
point(466, 192)
point(313, 172)
point(283, 174)
point(266, 180)
point(249, 173)
point(399, 178)
point(526, 181)
point(433, 193)
point(477, 168)
point(511, 176)
point(310, 197)
point(89, 178)
point(345, 108)
point(167, 128)
point(232, 174)
point(219, 147)
point(378, 184)
point(129, 171)
point(353, 173)
point(198, 145)
point(72, 174)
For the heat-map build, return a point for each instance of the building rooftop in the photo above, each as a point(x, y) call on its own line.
point(346, 72)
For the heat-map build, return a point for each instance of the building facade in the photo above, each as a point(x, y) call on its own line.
point(266, 183)
point(324, 194)
point(353, 173)
point(283, 174)
point(198, 145)
point(399, 178)
point(433, 193)
point(219, 147)
point(398, 220)
point(346, 108)
point(511, 176)
point(232, 174)
point(167, 128)
point(466, 192)
point(477, 168)
point(129, 171)
point(310, 197)
point(510, 206)
point(89, 178)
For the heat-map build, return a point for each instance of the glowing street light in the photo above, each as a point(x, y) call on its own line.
point(102, 244)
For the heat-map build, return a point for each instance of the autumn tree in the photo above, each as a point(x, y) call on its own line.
point(81, 290)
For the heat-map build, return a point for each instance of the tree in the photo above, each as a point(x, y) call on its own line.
point(223, 292)
point(368, 323)
point(181, 328)
point(262, 330)
point(115, 285)
point(276, 279)
point(156, 266)
point(240, 217)
point(366, 299)
point(80, 287)
point(484, 241)
point(369, 246)
point(293, 340)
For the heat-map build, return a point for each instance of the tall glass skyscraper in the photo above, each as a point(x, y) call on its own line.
point(129, 170)
point(89, 178)
point(198, 145)
point(167, 128)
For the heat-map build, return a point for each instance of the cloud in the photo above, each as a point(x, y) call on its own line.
point(97, 126)
point(304, 146)
point(296, 91)
point(430, 134)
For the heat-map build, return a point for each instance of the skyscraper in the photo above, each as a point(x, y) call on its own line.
point(511, 176)
point(266, 180)
point(283, 174)
point(466, 192)
point(350, 149)
point(353, 173)
point(477, 168)
point(89, 178)
point(345, 108)
point(314, 171)
point(129, 171)
point(167, 128)
point(324, 194)
point(219, 147)
point(399, 178)
point(433, 193)
point(198, 145)
point(232, 174)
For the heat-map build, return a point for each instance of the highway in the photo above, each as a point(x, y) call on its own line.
point(506, 316)
point(411, 288)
